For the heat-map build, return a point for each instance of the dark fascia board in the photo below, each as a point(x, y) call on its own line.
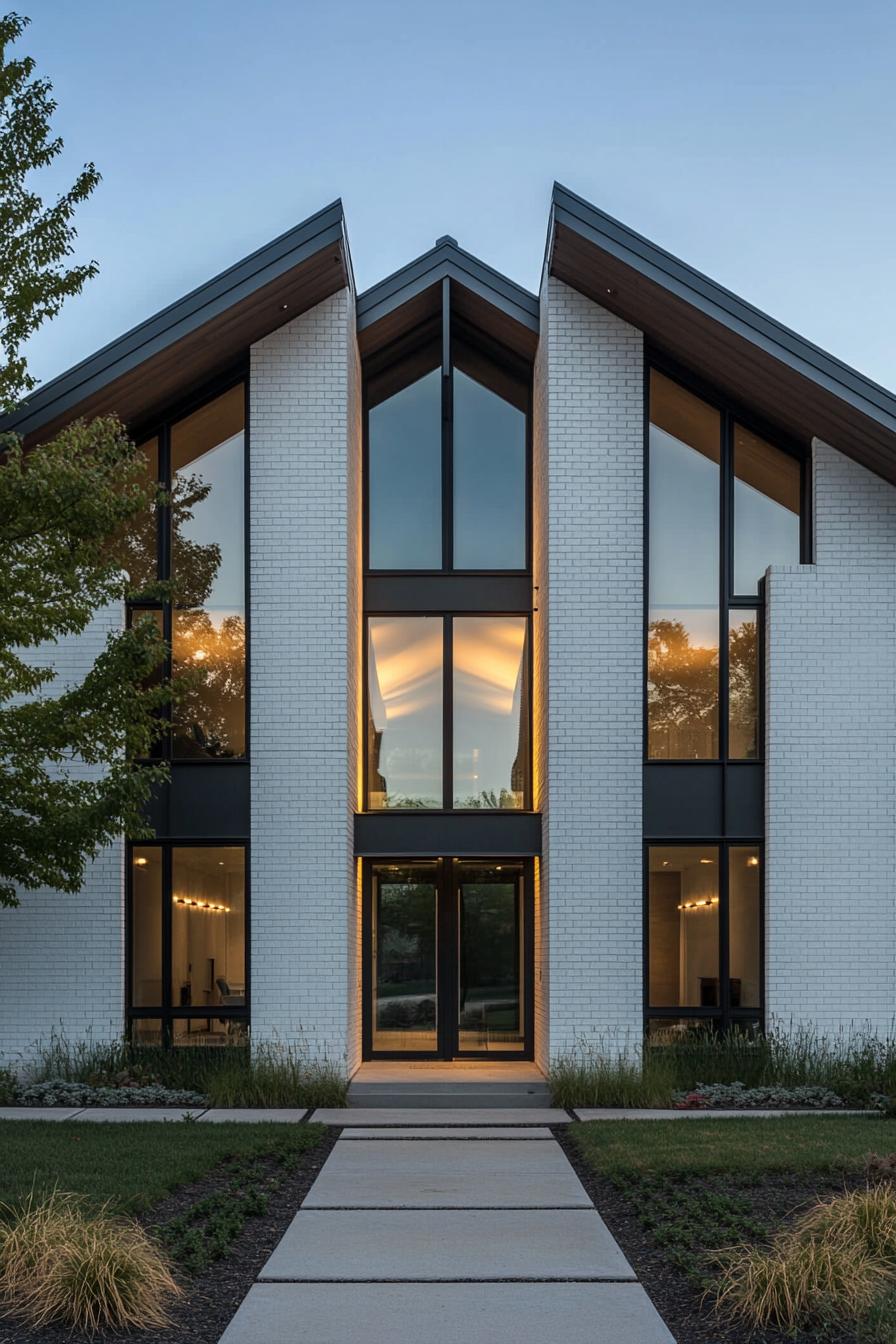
point(720, 304)
point(62, 395)
point(447, 260)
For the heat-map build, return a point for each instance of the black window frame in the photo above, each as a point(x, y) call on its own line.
point(724, 1017)
point(450, 326)
point(730, 415)
point(166, 1012)
point(447, 618)
point(447, 1046)
point(159, 428)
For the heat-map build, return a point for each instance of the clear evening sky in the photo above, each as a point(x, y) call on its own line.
point(753, 139)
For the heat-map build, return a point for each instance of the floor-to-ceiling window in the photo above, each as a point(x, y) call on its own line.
point(724, 503)
point(187, 973)
point(187, 962)
point(447, 690)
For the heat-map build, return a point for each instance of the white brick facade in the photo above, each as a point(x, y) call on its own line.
point(830, 721)
point(62, 955)
point(303, 526)
point(591, 428)
point(831, 760)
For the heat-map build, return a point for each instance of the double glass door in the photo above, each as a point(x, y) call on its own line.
point(447, 957)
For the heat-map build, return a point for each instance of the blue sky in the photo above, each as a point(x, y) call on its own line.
point(755, 140)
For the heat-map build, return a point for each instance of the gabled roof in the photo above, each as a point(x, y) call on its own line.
point(166, 356)
point(412, 296)
point(748, 355)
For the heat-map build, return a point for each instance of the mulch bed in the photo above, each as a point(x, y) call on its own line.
point(211, 1299)
point(678, 1300)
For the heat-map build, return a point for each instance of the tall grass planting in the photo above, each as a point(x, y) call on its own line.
point(271, 1074)
point(835, 1265)
point(856, 1065)
point(62, 1264)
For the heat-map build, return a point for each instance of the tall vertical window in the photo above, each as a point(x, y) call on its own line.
point(208, 567)
point(703, 936)
point(723, 505)
point(489, 469)
point(683, 634)
point(196, 541)
point(447, 450)
point(404, 711)
point(490, 711)
point(187, 943)
point(404, 453)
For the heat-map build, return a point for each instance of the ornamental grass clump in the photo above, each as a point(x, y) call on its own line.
point(796, 1284)
point(62, 1263)
point(834, 1265)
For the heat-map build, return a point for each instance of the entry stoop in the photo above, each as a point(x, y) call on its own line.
point(458, 1085)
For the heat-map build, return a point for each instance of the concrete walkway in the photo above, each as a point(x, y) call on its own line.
point(449, 1238)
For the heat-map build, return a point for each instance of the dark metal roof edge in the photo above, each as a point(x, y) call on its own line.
point(716, 301)
point(447, 259)
point(145, 339)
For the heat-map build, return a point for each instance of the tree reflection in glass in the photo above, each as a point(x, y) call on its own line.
point(743, 686)
point(208, 572)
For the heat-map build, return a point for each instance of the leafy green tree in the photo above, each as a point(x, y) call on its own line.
point(69, 509)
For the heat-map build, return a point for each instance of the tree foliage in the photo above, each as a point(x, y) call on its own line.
point(73, 511)
point(35, 239)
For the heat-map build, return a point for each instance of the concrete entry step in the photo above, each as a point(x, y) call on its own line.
point(454, 1084)
point(455, 1096)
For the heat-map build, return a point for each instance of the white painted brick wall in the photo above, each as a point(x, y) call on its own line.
point(831, 760)
point(62, 955)
point(593, 604)
point(304, 449)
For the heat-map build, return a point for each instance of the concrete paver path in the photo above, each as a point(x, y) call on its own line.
point(447, 1239)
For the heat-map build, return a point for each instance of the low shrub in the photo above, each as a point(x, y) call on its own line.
point(9, 1087)
point(61, 1264)
point(82, 1094)
point(734, 1096)
point(837, 1263)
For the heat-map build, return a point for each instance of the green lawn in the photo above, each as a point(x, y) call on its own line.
point(133, 1164)
point(747, 1147)
point(696, 1185)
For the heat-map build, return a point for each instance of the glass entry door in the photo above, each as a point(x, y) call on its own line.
point(447, 965)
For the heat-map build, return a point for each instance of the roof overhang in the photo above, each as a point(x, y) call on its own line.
point(748, 356)
point(165, 358)
point(412, 297)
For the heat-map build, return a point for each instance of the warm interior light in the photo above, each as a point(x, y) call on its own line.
point(212, 907)
point(706, 860)
point(699, 905)
point(753, 861)
point(141, 862)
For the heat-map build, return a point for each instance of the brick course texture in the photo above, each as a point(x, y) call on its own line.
point(304, 462)
point(61, 954)
point(831, 761)
point(590, 482)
